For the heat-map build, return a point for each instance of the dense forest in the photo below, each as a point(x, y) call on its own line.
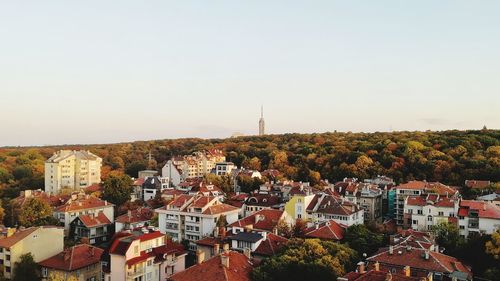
point(448, 156)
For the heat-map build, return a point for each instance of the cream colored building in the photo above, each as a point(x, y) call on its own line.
point(197, 164)
point(72, 169)
point(42, 242)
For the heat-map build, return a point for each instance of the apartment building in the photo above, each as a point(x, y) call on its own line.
point(477, 218)
point(368, 197)
point(224, 168)
point(191, 218)
point(417, 188)
point(142, 255)
point(134, 219)
point(195, 165)
point(82, 204)
point(71, 169)
point(95, 229)
point(423, 212)
point(82, 262)
point(32, 240)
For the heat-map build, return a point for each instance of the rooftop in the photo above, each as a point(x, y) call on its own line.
point(74, 258)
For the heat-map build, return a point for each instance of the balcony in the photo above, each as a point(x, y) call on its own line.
point(135, 273)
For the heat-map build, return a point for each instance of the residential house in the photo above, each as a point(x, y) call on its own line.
point(477, 184)
point(327, 207)
point(142, 254)
point(368, 197)
point(82, 262)
point(224, 168)
point(260, 244)
point(425, 211)
point(96, 229)
point(477, 218)
point(418, 262)
point(195, 165)
point(82, 204)
point(71, 169)
point(171, 172)
point(152, 186)
point(134, 219)
point(256, 202)
point(377, 274)
point(32, 240)
point(328, 230)
point(228, 266)
point(263, 220)
point(296, 207)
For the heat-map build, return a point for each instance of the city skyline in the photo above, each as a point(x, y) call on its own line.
point(73, 74)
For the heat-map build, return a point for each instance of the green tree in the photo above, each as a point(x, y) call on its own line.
point(447, 236)
point(361, 239)
point(117, 189)
point(310, 259)
point(35, 212)
point(26, 269)
point(493, 246)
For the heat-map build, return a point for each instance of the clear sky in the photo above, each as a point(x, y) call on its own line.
point(112, 71)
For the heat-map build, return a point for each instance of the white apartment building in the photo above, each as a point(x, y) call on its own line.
point(326, 207)
point(82, 204)
point(72, 169)
point(224, 168)
point(143, 255)
point(195, 165)
point(171, 172)
point(477, 217)
point(191, 218)
point(423, 212)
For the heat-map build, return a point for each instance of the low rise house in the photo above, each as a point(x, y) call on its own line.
point(263, 220)
point(142, 254)
point(191, 218)
point(256, 202)
point(32, 240)
point(171, 172)
point(418, 262)
point(376, 274)
point(325, 207)
point(82, 262)
point(493, 198)
point(296, 207)
point(95, 229)
point(134, 219)
point(153, 186)
point(477, 184)
point(82, 204)
point(328, 230)
point(425, 211)
point(477, 218)
point(228, 266)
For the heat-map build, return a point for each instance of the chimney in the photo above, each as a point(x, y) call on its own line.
point(436, 248)
point(426, 254)
point(225, 247)
point(391, 250)
point(247, 253)
point(388, 277)
point(224, 258)
point(377, 266)
point(407, 271)
point(129, 214)
point(222, 232)
point(361, 267)
point(200, 256)
point(216, 249)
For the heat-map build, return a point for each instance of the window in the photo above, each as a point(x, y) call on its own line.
point(462, 227)
point(419, 212)
point(45, 272)
point(441, 214)
point(429, 218)
point(415, 222)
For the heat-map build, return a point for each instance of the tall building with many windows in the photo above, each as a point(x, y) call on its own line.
point(72, 169)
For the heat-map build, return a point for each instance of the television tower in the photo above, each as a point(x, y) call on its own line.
point(262, 123)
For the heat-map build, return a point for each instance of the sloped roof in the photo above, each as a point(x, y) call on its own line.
point(219, 209)
point(271, 245)
point(74, 258)
point(83, 203)
point(94, 221)
point(485, 209)
point(136, 216)
point(212, 269)
point(267, 220)
point(330, 230)
point(16, 237)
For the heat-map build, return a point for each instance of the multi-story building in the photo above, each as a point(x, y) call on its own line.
point(325, 207)
point(256, 202)
point(134, 219)
point(263, 220)
point(82, 262)
point(298, 204)
point(224, 168)
point(95, 229)
point(368, 197)
point(417, 188)
point(42, 242)
point(82, 204)
point(72, 170)
point(195, 165)
point(171, 172)
point(189, 217)
point(152, 186)
point(477, 218)
point(425, 211)
point(142, 255)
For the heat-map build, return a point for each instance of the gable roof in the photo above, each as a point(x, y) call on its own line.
point(266, 219)
point(484, 209)
point(83, 203)
point(271, 245)
point(239, 269)
point(74, 258)
point(136, 216)
point(330, 230)
point(374, 275)
point(16, 237)
point(94, 221)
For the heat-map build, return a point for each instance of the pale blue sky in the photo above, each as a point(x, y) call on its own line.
point(111, 71)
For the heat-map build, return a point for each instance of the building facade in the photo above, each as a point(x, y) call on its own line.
point(71, 169)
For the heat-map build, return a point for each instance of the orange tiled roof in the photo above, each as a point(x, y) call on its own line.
point(328, 230)
point(94, 221)
point(219, 209)
point(135, 216)
point(74, 258)
point(271, 245)
point(82, 203)
point(485, 209)
point(268, 220)
point(239, 269)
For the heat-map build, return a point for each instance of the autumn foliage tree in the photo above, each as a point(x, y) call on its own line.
point(117, 189)
point(35, 212)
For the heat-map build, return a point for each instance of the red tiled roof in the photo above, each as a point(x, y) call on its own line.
point(432, 199)
point(268, 220)
point(74, 258)
point(139, 181)
point(180, 200)
point(219, 209)
point(477, 183)
point(136, 216)
point(271, 245)
point(330, 230)
point(212, 269)
point(94, 188)
point(209, 241)
point(52, 200)
point(201, 201)
point(373, 275)
point(82, 203)
point(16, 237)
point(414, 258)
point(264, 200)
point(123, 240)
point(94, 221)
point(485, 209)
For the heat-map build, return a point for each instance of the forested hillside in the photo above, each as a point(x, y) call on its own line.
point(449, 156)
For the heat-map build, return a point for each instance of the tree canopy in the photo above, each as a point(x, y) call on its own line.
point(117, 189)
point(310, 259)
point(361, 239)
point(26, 269)
point(35, 212)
